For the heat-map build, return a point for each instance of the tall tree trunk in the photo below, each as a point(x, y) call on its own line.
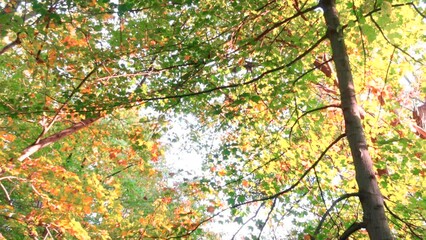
point(374, 217)
point(55, 137)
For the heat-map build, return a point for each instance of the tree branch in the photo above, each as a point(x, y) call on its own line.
point(343, 197)
point(294, 185)
point(310, 111)
point(409, 225)
point(278, 24)
point(268, 197)
point(274, 202)
point(417, 9)
point(238, 84)
point(353, 228)
point(251, 218)
point(391, 43)
point(117, 172)
point(17, 41)
point(6, 193)
point(50, 124)
point(55, 137)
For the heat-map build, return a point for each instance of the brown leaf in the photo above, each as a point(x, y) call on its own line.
point(381, 99)
point(323, 67)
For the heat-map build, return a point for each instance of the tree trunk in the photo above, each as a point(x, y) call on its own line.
point(55, 137)
point(374, 217)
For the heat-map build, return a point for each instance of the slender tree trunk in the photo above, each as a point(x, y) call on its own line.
point(55, 137)
point(369, 193)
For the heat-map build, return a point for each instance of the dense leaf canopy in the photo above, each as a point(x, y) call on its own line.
point(89, 88)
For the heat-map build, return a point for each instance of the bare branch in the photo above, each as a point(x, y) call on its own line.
point(417, 9)
point(267, 217)
point(6, 193)
point(12, 177)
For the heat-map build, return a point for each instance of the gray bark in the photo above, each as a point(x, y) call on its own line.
point(370, 197)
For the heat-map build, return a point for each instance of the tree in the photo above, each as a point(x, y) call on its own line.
point(293, 135)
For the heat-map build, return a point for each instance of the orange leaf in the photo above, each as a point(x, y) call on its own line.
point(87, 200)
point(86, 209)
point(381, 99)
point(245, 183)
point(7, 9)
point(210, 209)
point(382, 172)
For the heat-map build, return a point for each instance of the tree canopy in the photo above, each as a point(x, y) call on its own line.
point(309, 116)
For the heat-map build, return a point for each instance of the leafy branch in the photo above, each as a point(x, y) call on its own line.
point(391, 43)
point(272, 197)
point(409, 225)
point(238, 84)
point(278, 24)
point(56, 116)
point(310, 111)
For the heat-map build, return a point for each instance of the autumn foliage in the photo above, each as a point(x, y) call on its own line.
point(275, 101)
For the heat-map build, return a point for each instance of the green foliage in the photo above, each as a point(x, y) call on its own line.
point(246, 71)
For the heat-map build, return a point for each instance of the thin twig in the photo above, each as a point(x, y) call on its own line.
point(117, 172)
point(409, 225)
point(391, 43)
point(267, 217)
point(310, 111)
point(248, 220)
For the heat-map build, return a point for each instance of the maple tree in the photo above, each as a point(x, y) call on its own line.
point(310, 103)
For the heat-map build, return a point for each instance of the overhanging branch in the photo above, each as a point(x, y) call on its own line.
point(343, 197)
point(190, 94)
point(55, 137)
point(353, 228)
point(17, 41)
